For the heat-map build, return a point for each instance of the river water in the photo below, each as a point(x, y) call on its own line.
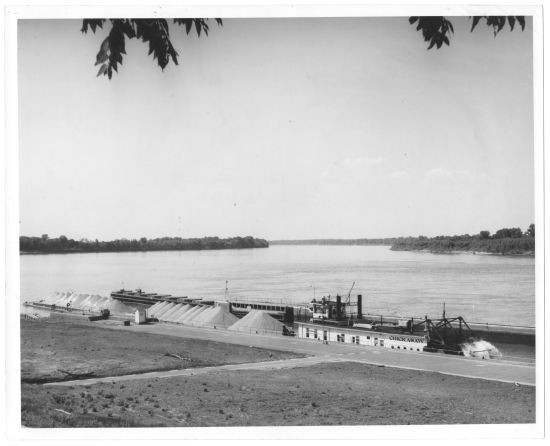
point(481, 288)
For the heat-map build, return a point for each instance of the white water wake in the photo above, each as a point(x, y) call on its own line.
point(480, 349)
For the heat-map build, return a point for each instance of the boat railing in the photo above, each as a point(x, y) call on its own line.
point(251, 300)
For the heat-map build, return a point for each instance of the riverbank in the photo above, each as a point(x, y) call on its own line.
point(505, 242)
point(522, 245)
point(466, 251)
point(323, 394)
point(63, 245)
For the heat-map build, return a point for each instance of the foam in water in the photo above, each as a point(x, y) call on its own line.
point(480, 348)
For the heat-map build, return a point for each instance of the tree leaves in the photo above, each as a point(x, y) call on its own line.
point(116, 46)
point(201, 25)
point(498, 22)
point(103, 54)
point(436, 30)
point(155, 32)
point(475, 21)
point(92, 23)
point(102, 70)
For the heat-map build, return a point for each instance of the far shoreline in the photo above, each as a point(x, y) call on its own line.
point(27, 253)
point(391, 248)
point(469, 251)
point(528, 254)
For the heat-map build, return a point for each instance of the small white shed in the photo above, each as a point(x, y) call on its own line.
point(140, 317)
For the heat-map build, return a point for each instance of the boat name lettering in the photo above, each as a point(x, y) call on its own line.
point(406, 339)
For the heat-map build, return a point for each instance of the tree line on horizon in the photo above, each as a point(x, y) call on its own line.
point(62, 244)
point(507, 241)
point(504, 241)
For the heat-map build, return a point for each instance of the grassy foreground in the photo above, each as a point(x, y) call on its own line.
point(327, 394)
point(51, 347)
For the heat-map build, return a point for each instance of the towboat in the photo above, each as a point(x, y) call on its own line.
point(339, 321)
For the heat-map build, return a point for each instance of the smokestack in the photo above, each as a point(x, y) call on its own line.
point(289, 315)
point(359, 306)
point(338, 307)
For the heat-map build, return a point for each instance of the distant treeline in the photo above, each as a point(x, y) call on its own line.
point(506, 241)
point(63, 244)
point(337, 241)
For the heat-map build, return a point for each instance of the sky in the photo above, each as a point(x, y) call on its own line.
point(279, 129)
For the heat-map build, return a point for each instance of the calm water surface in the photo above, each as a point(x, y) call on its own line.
point(481, 288)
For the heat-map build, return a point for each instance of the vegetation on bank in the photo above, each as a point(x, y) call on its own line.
point(62, 244)
point(506, 241)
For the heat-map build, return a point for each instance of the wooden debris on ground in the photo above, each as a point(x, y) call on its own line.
point(181, 358)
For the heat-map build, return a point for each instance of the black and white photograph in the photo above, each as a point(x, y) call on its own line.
point(282, 218)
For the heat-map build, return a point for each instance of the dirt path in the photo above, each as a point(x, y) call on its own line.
point(266, 365)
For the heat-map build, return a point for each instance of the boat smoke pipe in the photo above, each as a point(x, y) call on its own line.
point(338, 307)
point(359, 306)
point(289, 315)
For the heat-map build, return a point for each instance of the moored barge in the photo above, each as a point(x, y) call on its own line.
point(139, 297)
point(331, 320)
